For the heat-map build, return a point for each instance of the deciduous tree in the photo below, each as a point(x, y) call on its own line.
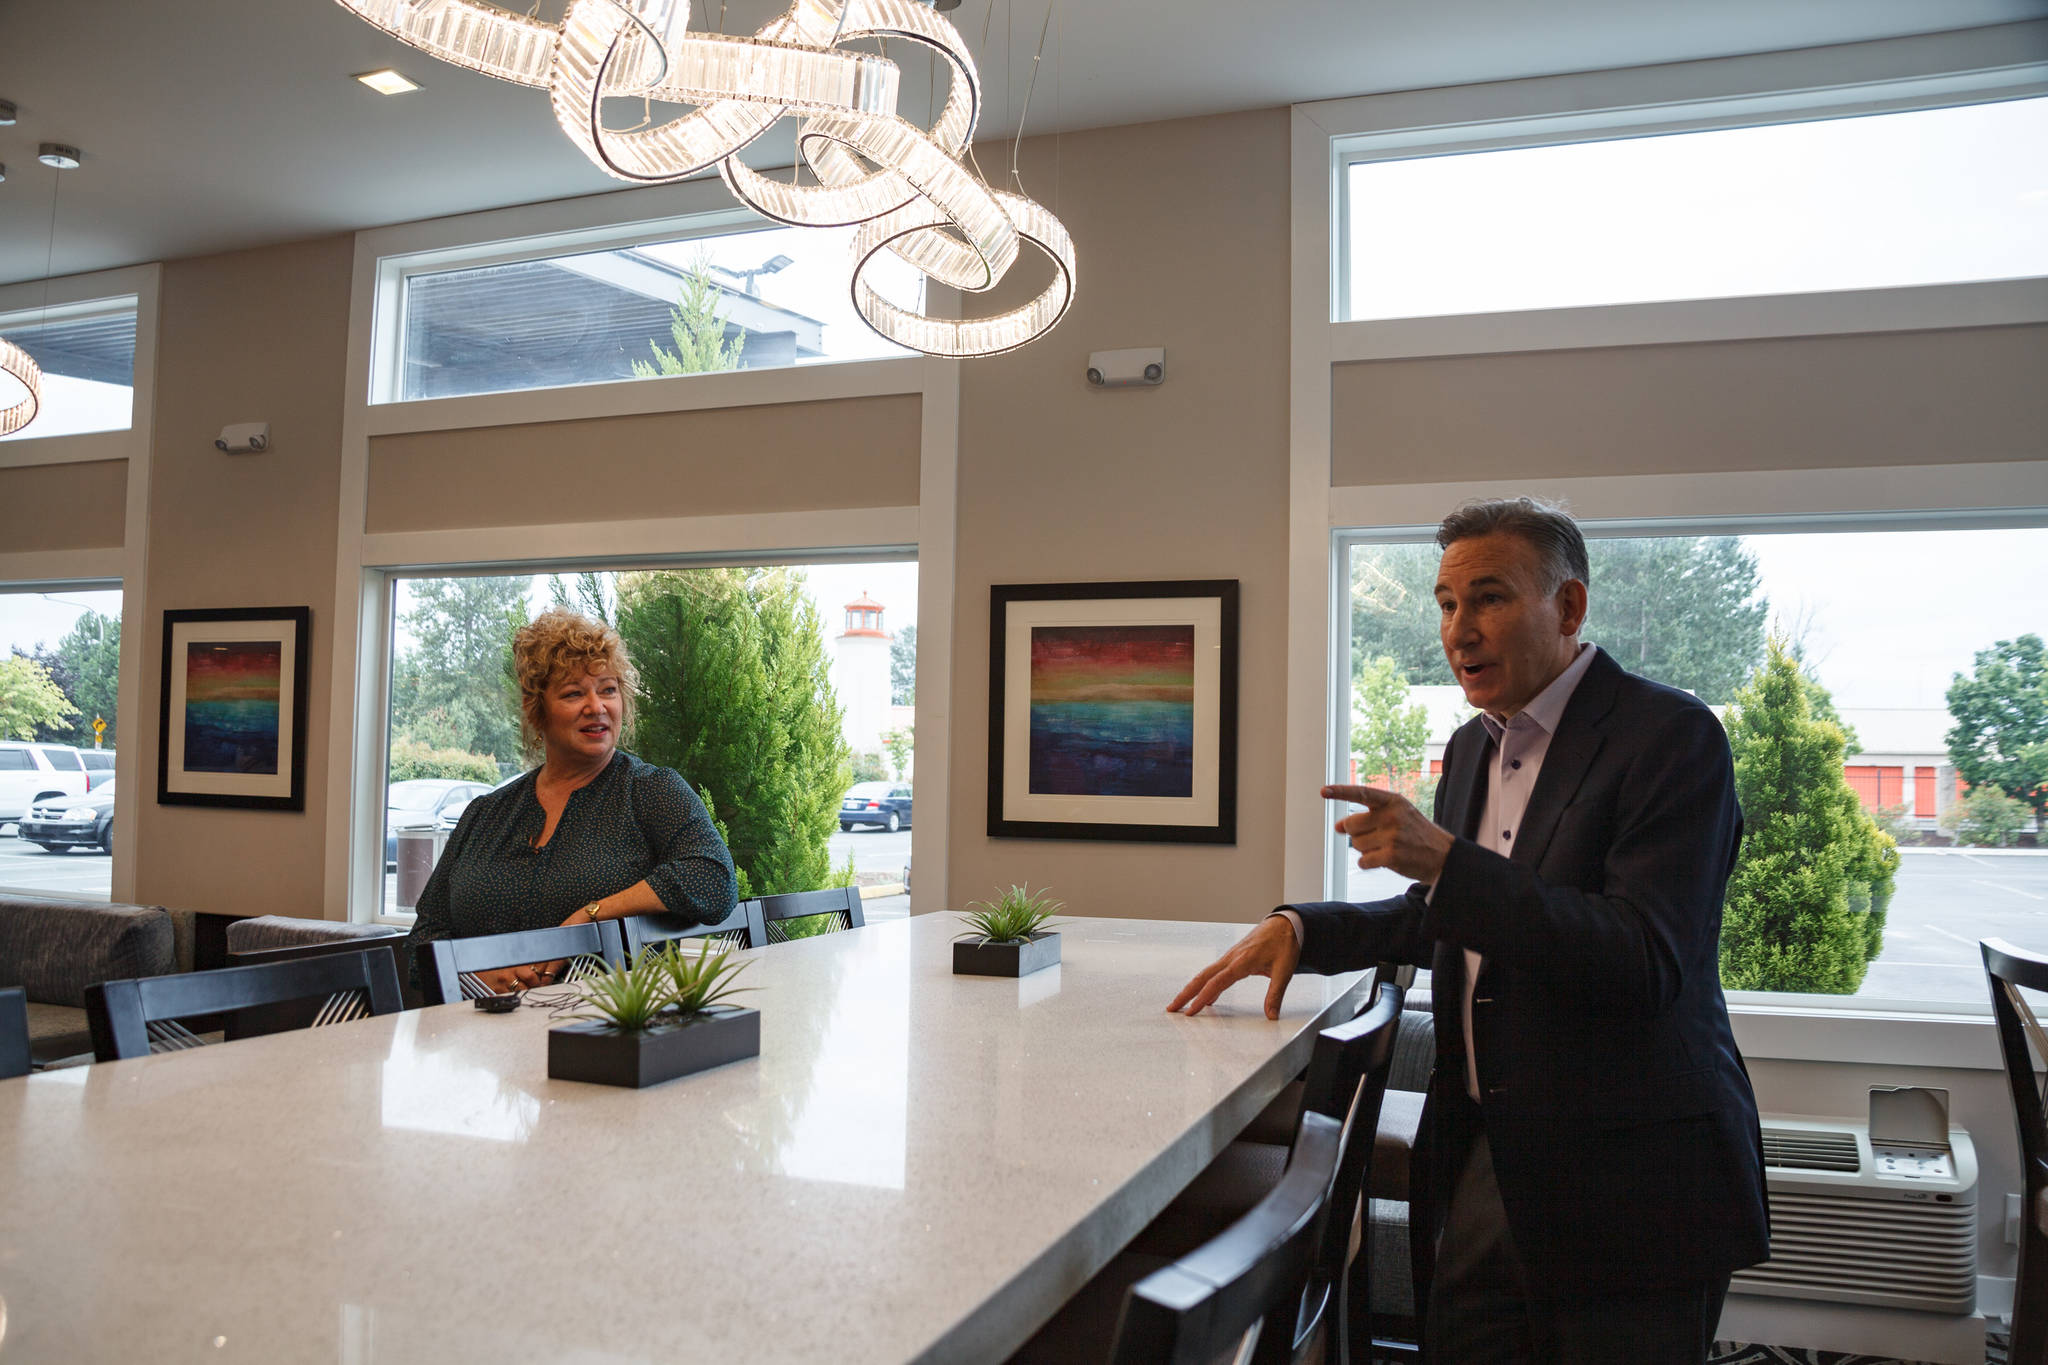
point(2000, 737)
point(452, 686)
point(1685, 610)
point(903, 668)
point(1388, 736)
point(29, 698)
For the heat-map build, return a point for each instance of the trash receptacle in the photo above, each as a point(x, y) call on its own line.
point(419, 848)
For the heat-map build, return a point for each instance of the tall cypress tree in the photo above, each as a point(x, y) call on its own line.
point(735, 695)
point(1788, 924)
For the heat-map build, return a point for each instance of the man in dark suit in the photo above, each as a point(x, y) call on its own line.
point(1590, 1139)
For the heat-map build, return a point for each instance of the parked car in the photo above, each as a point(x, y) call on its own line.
point(451, 814)
point(99, 767)
point(417, 803)
point(65, 822)
point(876, 803)
point(32, 772)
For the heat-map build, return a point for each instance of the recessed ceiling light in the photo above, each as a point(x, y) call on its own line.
point(56, 154)
point(387, 82)
point(6, 113)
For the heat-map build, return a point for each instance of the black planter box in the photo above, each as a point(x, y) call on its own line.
point(977, 957)
point(587, 1050)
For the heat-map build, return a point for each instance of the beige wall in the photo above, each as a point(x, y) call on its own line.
point(790, 457)
point(252, 336)
point(1181, 234)
point(63, 506)
point(1885, 398)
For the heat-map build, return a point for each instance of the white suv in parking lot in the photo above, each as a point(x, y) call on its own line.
point(29, 772)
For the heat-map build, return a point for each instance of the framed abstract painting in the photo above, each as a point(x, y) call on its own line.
point(1113, 711)
point(233, 718)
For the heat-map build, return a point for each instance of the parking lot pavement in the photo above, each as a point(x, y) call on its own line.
point(1946, 899)
point(25, 867)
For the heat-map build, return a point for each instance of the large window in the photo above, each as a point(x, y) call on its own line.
point(60, 680)
point(87, 355)
point(1916, 660)
point(525, 318)
point(1930, 196)
point(772, 688)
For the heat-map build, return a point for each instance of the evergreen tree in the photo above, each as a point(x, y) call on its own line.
point(91, 652)
point(1684, 610)
point(903, 668)
point(29, 698)
point(697, 328)
point(1788, 923)
point(1388, 736)
point(2000, 737)
point(736, 696)
point(453, 688)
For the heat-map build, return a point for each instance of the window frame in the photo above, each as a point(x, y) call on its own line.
point(97, 569)
point(1344, 539)
point(1893, 76)
point(357, 740)
point(1954, 67)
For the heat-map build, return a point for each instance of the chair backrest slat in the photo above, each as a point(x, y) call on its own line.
point(123, 1014)
point(742, 929)
point(1250, 1275)
point(444, 961)
point(14, 1047)
point(843, 902)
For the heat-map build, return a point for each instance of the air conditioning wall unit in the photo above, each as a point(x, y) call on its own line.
point(1886, 1223)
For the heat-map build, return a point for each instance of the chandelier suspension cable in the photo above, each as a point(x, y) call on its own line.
point(1017, 177)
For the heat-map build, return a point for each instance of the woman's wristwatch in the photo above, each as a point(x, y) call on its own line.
point(591, 910)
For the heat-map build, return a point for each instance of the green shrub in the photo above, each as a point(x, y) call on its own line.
point(870, 767)
point(411, 758)
point(1986, 818)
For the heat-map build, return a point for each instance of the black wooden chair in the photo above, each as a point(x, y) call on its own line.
point(14, 1055)
point(141, 1015)
point(448, 966)
point(297, 1014)
point(741, 929)
point(1250, 1278)
point(841, 902)
point(2010, 971)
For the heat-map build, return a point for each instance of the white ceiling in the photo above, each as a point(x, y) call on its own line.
point(230, 123)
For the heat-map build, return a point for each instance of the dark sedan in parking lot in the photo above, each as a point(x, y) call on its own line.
point(61, 822)
point(876, 803)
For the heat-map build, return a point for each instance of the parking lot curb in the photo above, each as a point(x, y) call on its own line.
point(880, 890)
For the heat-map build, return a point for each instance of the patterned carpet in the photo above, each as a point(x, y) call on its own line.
point(1742, 1353)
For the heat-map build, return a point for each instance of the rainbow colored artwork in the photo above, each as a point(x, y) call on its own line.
point(1113, 710)
point(232, 689)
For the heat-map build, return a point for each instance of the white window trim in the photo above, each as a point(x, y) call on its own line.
point(1968, 494)
point(365, 563)
point(1967, 67)
point(127, 564)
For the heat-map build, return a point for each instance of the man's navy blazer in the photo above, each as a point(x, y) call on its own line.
point(1620, 1118)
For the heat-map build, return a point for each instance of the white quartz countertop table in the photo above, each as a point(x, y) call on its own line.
point(917, 1167)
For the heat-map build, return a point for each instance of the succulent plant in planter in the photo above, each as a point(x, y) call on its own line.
point(1008, 936)
point(653, 1019)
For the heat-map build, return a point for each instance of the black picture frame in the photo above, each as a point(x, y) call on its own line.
point(252, 758)
point(1022, 800)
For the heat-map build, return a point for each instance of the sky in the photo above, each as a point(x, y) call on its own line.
point(1913, 198)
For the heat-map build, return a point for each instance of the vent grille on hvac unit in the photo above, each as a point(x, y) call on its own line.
point(1848, 1226)
point(1810, 1151)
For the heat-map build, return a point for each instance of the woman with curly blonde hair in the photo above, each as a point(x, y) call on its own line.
point(592, 833)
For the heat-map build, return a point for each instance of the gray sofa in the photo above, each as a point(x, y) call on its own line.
point(54, 949)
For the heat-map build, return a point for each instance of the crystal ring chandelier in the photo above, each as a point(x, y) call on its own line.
point(22, 366)
point(908, 189)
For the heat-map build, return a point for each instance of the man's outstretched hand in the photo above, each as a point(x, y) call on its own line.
point(1268, 950)
point(1391, 832)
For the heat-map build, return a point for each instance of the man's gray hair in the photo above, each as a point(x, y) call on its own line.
point(1559, 545)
